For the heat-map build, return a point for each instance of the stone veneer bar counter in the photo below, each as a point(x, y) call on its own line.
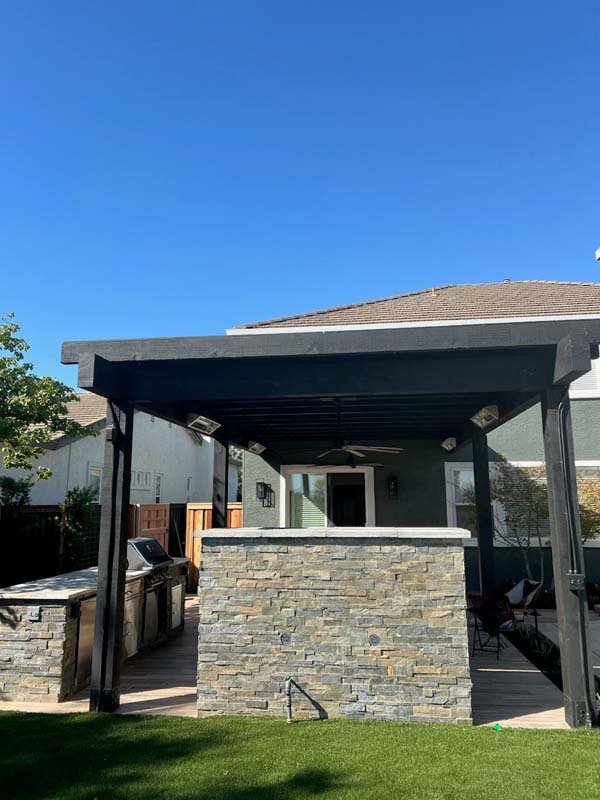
point(371, 622)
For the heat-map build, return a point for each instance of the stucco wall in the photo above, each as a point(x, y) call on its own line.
point(420, 468)
point(521, 439)
point(158, 446)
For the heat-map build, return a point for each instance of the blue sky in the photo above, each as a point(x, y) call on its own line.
point(179, 168)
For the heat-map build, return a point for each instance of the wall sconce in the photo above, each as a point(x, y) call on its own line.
point(393, 486)
point(265, 493)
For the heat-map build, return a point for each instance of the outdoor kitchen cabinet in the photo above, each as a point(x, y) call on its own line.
point(47, 627)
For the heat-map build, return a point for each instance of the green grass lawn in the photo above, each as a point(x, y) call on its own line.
point(107, 757)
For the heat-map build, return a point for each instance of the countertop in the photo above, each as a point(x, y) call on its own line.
point(66, 588)
point(334, 533)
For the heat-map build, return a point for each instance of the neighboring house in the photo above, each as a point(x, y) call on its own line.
point(421, 485)
point(169, 464)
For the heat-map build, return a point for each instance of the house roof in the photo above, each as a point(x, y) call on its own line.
point(504, 300)
point(88, 411)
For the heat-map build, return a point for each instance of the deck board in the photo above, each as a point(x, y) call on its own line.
point(513, 692)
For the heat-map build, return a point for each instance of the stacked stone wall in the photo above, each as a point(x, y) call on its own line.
point(37, 652)
point(370, 628)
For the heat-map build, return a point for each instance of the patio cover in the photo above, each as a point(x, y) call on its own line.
point(389, 384)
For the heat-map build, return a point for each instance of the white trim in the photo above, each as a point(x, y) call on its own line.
point(435, 323)
point(589, 392)
point(287, 469)
point(594, 462)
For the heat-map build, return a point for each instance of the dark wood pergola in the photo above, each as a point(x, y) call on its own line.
point(413, 383)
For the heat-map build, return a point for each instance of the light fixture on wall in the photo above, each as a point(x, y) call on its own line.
point(485, 416)
point(203, 424)
point(256, 447)
point(449, 444)
point(265, 493)
point(392, 485)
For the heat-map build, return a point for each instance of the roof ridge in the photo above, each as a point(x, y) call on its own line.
point(430, 290)
point(349, 305)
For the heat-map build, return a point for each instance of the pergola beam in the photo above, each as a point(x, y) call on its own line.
point(375, 376)
point(484, 515)
point(445, 338)
point(567, 560)
point(220, 483)
point(112, 559)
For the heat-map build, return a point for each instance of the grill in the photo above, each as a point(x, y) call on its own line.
point(144, 552)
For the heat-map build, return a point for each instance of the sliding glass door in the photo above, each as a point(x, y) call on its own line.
point(321, 497)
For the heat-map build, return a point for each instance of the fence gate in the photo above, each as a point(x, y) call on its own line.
point(150, 519)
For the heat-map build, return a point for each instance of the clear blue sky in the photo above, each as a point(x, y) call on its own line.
point(179, 168)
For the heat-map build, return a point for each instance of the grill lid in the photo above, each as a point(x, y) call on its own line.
point(147, 550)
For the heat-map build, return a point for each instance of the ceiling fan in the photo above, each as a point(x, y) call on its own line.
point(354, 450)
point(358, 450)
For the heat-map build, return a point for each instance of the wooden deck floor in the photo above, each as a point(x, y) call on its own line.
point(510, 691)
point(513, 692)
point(162, 681)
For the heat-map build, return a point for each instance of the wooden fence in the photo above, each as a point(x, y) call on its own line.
point(199, 518)
point(31, 539)
point(150, 519)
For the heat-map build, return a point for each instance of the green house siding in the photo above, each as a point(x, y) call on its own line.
point(421, 498)
point(521, 438)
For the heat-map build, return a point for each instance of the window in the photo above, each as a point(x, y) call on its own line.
point(157, 487)
point(588, 385)
point(307, 500)
point(141, 480)
point(517, 487)
point(319, 497)
point(459, 494)
point(95, 479)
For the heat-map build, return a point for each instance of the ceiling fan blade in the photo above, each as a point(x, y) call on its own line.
point(353, 452)
point(326, 453)
point(374, 449)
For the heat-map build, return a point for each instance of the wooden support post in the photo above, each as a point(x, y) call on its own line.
point(567, 560)
point(220, 483)
point(112, 558)
point(484, 514)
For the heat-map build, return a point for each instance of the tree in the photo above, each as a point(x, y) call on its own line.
point(14, 492)
point(520, 499)
point(32, 408)
point(75, 520)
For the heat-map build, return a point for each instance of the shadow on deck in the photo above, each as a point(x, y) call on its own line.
point(512, 691)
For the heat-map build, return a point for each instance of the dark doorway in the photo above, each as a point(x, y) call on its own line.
point(346, 499)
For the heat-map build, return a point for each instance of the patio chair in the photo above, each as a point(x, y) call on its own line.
point(492, 615)
point(522, 598)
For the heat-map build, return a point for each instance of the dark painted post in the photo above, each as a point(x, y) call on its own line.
point(484, 514)
point(567, 559)
point(112, 558)
point(220, 483)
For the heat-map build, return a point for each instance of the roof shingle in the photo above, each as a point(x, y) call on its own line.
point(457, 302)
point(90, 409)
